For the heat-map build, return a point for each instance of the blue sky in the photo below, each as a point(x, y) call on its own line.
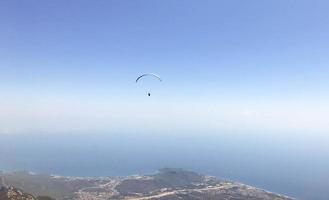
point(246, 65)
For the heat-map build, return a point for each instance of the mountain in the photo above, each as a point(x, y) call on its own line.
point(166, 184)
point(11, 193)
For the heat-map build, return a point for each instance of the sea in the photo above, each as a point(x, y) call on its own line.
point(293, 164)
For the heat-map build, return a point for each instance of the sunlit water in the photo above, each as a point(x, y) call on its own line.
point(291, 164)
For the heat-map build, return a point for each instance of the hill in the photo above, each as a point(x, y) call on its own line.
point(11, 193)
point(167, 183)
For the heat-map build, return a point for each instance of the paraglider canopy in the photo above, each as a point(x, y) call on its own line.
point(146, 75)
point(149, 74)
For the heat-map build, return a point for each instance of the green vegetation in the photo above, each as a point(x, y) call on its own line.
point(174, 177)
point(166, 178)
point(44, 198)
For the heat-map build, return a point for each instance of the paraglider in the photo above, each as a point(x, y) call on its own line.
point(151, 75)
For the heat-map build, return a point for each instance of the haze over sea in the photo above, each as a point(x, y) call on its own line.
point(291, 164)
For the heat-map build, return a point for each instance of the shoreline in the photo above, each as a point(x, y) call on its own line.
point(42, 179)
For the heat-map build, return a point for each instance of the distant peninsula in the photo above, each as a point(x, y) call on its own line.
point(166, 184)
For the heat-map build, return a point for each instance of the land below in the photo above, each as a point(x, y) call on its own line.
point(166, 184)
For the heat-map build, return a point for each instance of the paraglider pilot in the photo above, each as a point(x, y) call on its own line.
point(150, 74)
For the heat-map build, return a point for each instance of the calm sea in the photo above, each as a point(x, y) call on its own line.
point(292, 164)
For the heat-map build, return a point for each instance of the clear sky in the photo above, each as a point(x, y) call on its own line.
point(226, 65)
